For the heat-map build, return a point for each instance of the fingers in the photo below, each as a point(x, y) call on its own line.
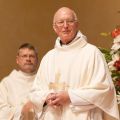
point(53, 99)
point(57, 99)
point(29, 115)
point(28, 107)
point(50, 97)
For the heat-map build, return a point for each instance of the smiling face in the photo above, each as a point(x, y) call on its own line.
point(65, 24)
point(27, 60)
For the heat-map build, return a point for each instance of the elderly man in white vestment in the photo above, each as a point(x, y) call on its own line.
point(73, 81)
point(14, 88)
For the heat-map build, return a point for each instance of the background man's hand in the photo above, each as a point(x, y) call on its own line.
point(28, 111)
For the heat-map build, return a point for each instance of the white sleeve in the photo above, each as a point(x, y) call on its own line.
point(6, 110)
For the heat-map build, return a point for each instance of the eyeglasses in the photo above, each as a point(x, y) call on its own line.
point(61, 23)
point(26, 56)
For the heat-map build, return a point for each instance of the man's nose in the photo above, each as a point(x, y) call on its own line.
point(65, 23)
point(28, 57)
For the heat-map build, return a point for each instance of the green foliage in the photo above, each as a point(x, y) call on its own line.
point(106, 54)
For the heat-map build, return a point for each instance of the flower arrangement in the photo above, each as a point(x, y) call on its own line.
point(113, 59)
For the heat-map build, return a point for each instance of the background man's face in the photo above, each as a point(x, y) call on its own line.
point(27, 60)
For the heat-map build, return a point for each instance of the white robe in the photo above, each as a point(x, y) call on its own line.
point(79, 68)
point(14, 90)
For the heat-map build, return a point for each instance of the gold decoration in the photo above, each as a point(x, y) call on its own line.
point(57, 86)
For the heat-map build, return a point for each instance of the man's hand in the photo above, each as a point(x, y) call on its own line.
point(28, 111)
point(57, 99)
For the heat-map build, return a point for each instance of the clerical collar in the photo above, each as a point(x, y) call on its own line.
point(61, 43)
point(65, 43)
point(27, 74)
point(74, 39)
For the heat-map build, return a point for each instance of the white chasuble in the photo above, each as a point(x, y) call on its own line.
point(79, 68)
point(14, 90)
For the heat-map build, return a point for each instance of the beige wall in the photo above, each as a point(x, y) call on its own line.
point(31, 21)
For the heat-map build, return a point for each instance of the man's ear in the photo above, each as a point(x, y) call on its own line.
point(17, 59)
point(77, 24)
point(54, 28)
